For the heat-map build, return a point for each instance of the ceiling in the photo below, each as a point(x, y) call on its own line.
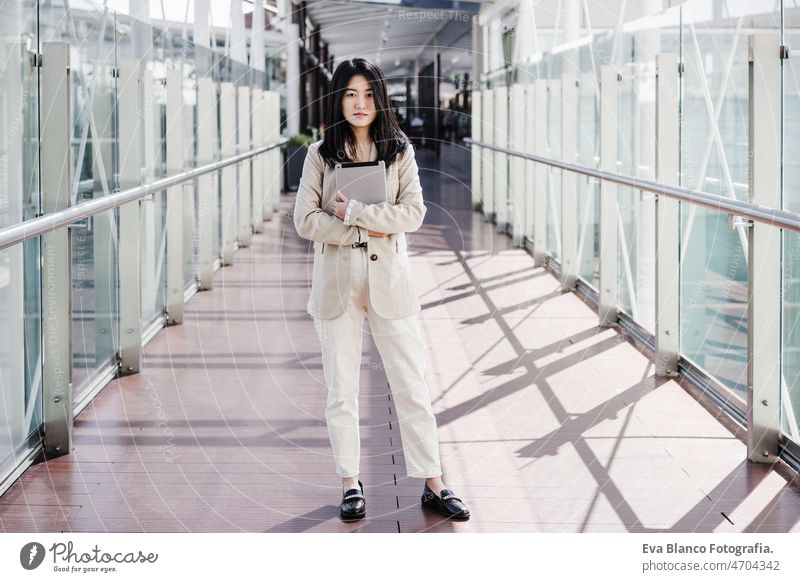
point(394, 34)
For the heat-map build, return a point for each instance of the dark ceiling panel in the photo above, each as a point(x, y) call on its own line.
point(357, 28)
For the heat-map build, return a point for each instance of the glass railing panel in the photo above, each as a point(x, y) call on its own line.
point(220, 74)
point(239, 77)
point(588, 192)
point(20, 272)
point(790, 393)
point(92, 35)
point(629, 201)
point(639, 42)
point(190, 192)
point(144, 44)
point(714, 156)
point(207, 67)
point(190, 201)
point(500, 203)
point(553, 174)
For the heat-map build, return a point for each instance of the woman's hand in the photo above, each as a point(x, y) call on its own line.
point(340, 205)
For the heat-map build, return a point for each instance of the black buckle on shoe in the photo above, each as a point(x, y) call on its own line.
point(359, 244)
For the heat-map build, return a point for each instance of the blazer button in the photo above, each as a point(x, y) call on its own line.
point(373, 257)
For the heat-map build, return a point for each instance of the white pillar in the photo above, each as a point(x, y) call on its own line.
point(151, 205)
point(500, 199)
point(227, 124)
point(609, 210)
point(496, 57)
point(516, 169)
point(764, 261)
point(649, 43)
point(487, 120)
point(237, 49)
point(56, 163)
point(142, 40)
point(277, 158)
point(485, 44)
point(271, 168)
point(293, 80)
point(141, 33)
point(257, 216)
point(667, 231)
point(540, 172)
point(569, 182)
point(202, 33)
point(285, 8)
point(270, 177)
point(206, 137)
point(175, 196)
point(245, 182)
point(477, 54)
point(571, 18)
point(257, 38)
point(476, 150)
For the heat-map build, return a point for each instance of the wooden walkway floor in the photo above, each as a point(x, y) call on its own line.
point(547, 422)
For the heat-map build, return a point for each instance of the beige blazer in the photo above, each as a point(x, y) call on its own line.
point(392, 293)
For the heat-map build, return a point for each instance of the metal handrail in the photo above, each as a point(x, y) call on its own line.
point(20, 232)
point(755, 212)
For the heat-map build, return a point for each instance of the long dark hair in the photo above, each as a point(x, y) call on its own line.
point(386, 134)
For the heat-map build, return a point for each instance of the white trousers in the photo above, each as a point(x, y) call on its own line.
point(402, 352)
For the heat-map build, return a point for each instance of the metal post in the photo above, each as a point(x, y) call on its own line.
point(764, 261)
point(175, 203)
point(128, 261)
point(258, 162)
point(56, 164)
point(500, 199)
point(437, 71)
point(476, 151)
point(517, 164)
point(569, 182)
point(151, 225)
point(206, 136)
point(667, 235)
point(488, 171)
point(270, 180)
point(293, 78)
point(644, 261)
point(540, 173)
point(227, 124)
point(530, 131)
point(245, 193)
point(609, 236)
point(266, 168)
point(276, 153)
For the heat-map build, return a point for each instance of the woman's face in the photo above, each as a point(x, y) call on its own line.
point(358, 103)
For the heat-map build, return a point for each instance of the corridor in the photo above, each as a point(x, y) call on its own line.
point(547, 422)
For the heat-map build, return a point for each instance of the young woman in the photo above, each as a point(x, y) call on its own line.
point(361, 267)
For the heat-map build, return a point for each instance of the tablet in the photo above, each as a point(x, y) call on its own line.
point(362, 181)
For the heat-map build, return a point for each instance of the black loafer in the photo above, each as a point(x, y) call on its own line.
point(448, 504)
point(354, 505)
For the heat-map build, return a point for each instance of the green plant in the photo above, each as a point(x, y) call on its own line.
point(300, 139)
